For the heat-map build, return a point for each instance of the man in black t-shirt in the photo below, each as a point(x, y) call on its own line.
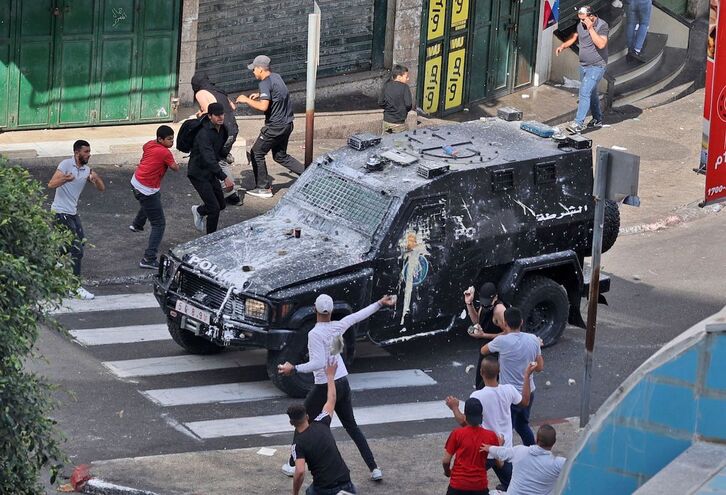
point(274, 100)
point(314, 444)
point(487, 321)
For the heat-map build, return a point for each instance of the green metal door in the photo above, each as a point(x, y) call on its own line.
point(87, 62)
point(527, 29)
point(481, 35)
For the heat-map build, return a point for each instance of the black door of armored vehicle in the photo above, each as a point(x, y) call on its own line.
point(415, 269)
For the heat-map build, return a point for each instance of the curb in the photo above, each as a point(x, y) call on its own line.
point(680, 216)
point(96, 486)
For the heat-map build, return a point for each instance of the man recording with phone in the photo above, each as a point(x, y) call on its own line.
point(487, 320)
point(592, 38)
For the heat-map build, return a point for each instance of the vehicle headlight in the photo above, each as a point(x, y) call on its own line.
point(255, 309)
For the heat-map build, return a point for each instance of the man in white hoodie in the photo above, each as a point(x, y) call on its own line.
point(320, 339)
point(535, 470)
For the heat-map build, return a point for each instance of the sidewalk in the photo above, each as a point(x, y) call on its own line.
point(411, 466)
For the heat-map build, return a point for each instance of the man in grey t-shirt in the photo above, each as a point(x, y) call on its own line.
point(517, 350)
point(68, 181)
point(592, 33)
point(274, 100)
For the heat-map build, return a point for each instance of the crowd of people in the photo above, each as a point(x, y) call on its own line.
point(210, 135)
point(500, 405)
point(505, 386)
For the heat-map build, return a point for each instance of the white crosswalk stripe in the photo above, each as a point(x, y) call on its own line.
point(114, 302)
point(164, 365)
point(277, 423)
point(246, 392)
point(121, 335)
point(184, 364)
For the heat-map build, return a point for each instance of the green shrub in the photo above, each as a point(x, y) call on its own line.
point(34, 277)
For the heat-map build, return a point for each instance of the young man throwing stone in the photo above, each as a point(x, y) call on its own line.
point(320, 339)
point(314, 444)
point(68, 181)
point(274, 100)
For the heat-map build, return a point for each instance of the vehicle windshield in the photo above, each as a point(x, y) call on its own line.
point(341, 198)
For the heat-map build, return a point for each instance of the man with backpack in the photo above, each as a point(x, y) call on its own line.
point(206, 93)
point(204, 171)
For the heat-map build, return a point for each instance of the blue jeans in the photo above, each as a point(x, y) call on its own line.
point(151, 209)
point(520, 422)
point(589, 78)
point(638, 14)
point(504, 473)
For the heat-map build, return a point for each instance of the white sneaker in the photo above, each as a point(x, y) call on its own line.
point(82, 293)
point(199, 220)
point(288, 470)
point(377, 474)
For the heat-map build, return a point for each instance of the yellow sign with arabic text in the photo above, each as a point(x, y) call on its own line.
point(437, 19)
point(432, 78)
point(459, 14)
point(455, 74)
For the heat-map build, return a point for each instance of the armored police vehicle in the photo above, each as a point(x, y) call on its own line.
point(424, 215)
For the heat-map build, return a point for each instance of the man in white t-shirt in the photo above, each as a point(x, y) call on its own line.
point(516, 351)
point(496, 401)
point(320, 340)
point(535, 470)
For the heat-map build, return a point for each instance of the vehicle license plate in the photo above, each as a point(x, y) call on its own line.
point(193, 311)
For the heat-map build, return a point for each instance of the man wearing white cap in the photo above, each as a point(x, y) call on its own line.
point(320, 339)
point(273, 99)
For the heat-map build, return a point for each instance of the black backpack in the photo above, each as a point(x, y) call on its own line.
point(187, 132)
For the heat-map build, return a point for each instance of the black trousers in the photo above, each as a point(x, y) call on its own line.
point(73, 223)
point(454, 491)
point(210, 191)
point(314, 403)
point(273, 139)
point(150, 208)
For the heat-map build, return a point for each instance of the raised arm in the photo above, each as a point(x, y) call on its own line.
point(59, 178)
point(330, 370)
point(366, 312)
point(96, 180)
point(453, 404)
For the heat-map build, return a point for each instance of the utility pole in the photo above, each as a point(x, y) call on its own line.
point(313, 59)
point(616, 179)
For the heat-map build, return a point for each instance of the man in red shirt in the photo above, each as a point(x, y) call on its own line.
point(469, 474)
point(146, 186)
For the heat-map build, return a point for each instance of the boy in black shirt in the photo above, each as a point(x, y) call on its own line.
point(396, 101)
point(314, 444)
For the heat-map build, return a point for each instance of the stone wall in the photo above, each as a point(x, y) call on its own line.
point(407, 37)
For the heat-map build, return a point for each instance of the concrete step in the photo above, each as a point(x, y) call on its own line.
point(670, 63)
point(623, 70)
point(698, 470)
point(618, 45)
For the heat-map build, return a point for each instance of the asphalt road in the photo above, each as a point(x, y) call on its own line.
point(663, 282)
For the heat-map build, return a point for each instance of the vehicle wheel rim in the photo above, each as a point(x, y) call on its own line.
point(541, 318)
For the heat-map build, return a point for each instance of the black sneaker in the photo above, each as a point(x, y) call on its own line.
point(575, 128)
point(232, 199)
point(134, 228)
point(635, 57)
point(260, 193)
point(594, 124)
point(149, 264)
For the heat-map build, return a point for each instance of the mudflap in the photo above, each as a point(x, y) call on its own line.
point(575, 318)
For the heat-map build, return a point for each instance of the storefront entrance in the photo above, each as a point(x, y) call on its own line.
point(475, 49)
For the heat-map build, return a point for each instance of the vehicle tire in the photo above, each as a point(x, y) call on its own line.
point(296, 351)
point(544, 306)
point(296, 385)
point(611, 225)
point(190, 342)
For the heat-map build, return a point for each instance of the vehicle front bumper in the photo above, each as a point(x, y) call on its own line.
point(222, 330)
